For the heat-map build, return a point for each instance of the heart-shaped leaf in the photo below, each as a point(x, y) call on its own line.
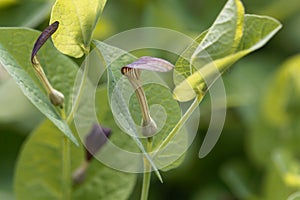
point(77, 21)
point(39, 171)
point(15, 51)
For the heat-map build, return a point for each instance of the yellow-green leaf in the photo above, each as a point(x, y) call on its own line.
point(77, 21)
point(224, 35)
point(220, 40)
point(258, 30)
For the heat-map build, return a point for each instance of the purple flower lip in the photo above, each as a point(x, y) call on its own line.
point(149, 63)
point(45, 35)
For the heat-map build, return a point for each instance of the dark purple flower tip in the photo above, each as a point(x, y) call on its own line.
point(43, 38)
point(95, 140)
point(149, 63)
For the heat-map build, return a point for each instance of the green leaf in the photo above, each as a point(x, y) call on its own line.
point(224, 36)
point(166, 113)
point(183, 68)
point(168, 157)
point(106, 119)
point(39, 171)
point(155, 93)
point(258, 30)
point(77, 21)
point(15, 50)
point(220, 40)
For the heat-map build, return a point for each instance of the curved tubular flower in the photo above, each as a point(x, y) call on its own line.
point(56, 97)
point(94, 141)
point(133, 73)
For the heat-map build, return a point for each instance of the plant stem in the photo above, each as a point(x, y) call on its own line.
point(66, 164)
point(80, 90)
point(147, 172)
point(179, 124)
point(66, 168)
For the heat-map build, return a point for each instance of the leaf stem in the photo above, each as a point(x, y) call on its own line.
point(80, 90)
point(147, 172)
point(179, 124)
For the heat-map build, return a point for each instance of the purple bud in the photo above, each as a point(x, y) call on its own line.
point(95, 140)
point(43, 38)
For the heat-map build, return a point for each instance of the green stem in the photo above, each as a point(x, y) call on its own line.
point(66, 164)
point(80, 90)
point(66, 167)
point(179, 124)
point(147, 172)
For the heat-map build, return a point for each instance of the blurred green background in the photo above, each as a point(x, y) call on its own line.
point(258, 154)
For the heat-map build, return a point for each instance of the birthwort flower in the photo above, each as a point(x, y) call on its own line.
point(95, 139)
point(133, 73)
point(56, 97)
